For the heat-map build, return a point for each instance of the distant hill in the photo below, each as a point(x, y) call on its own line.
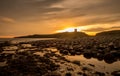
point(57, 35)
point(109, 33)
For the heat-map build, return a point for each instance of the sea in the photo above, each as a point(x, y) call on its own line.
point(17, 40)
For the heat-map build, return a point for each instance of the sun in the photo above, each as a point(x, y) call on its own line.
point(69, 30)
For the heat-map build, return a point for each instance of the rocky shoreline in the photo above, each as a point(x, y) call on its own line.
point(37, 58)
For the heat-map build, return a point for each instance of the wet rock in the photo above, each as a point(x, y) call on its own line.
point(68, 74)
point(88, 47)
point(9, 52)
point(62, 70)
point(70, 69)
point(87, 55)
point(100, 74)
point(116, 73)
point(109, 58)
point(5, 43)
point(25, 64)
point(111, 45)
point(80, 73)
point(100, 56)
point(26, 53)
point(2, 57)
point(91, 65)
point(86, 69)
point(115, 53)
point(84, 74)
point(65, 52)
point(48, 55)
point(76, 62)
point(72, 52)
point(26, 45)
point(62, 62)
point(78, 53)
point(1, 49)
point(53, 74)
point(10, 56)
point(56, 60)
point(94, 54)
point(61, 58)
point(10, 48)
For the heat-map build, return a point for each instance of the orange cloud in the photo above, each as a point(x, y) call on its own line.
point(7, 20)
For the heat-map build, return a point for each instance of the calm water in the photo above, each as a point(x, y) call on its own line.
point(17, 40)
point(100, 66)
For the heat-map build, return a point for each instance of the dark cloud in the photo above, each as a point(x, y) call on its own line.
point(27, 8)
point(105, 7)
point(44, 3)
point(99, 8)
point(48, 13)
point(101, 20)
point(102, 12)
point(33, 8)
point(99, 29)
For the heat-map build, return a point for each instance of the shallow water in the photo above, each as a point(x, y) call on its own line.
point(97, 65)
point(17, 40)
point(100, 66)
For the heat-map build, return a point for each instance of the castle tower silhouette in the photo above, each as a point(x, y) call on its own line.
point(75, 30)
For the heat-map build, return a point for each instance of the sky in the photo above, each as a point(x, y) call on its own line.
point(27, 17)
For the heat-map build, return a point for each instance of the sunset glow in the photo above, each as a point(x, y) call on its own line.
point(28, 17)
point(59, 37)
point(69, 30)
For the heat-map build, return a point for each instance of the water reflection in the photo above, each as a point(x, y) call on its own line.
point(99, 63)
point(101, 66)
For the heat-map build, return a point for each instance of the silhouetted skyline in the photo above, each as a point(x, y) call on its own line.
point(26, 17)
